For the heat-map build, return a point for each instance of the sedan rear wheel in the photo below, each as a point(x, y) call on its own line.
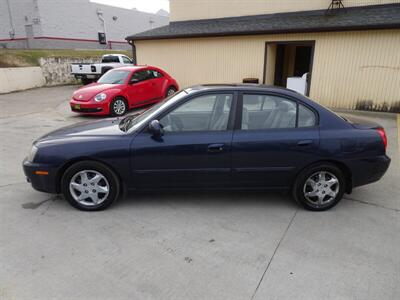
point(89, 185)
point(319, 187)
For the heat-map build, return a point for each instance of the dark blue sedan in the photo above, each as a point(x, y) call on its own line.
point(213, 137)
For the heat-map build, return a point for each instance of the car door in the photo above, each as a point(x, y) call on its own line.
point(274, 138)
point(158, 82)
point(195, 149)
point(140, 88)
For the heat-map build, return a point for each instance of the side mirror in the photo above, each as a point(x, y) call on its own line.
point(155, 128)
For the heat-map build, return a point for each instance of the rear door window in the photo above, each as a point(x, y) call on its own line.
point(272, 112)
point(110, 59)
point(306, 117)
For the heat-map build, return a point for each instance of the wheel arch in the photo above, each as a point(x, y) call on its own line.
point(105, 70)
point(73, 161)
point(342, 166)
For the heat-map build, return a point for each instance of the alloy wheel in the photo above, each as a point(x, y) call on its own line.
point(119, 107)
point(170, 92)
point(89, 187)
point(321, 188)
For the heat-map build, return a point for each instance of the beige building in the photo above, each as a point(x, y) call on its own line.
point(351, 54)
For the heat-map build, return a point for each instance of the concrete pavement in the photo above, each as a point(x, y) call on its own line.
point(241, 245)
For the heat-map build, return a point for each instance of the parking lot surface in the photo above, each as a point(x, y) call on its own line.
point(210, 245)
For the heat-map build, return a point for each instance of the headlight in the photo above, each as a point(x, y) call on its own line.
point(100, 97)
point(32, 153)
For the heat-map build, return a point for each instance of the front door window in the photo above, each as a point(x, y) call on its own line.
point(203, 113)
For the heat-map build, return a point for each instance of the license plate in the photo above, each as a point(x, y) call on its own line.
point(77, 106)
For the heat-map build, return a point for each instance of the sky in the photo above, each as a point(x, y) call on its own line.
point(151, 6)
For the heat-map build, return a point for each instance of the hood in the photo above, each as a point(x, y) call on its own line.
point(87, 92)
point(359, 122)
point(99, 128)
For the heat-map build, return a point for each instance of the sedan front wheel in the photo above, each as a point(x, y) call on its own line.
point(90, 186)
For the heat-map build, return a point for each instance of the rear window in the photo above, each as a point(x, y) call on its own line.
point(110, 59)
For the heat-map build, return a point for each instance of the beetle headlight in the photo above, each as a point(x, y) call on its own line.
point(100, 97)
point(32, 153)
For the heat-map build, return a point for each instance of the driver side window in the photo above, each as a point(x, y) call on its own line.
point(140, 76)
point(203, 113)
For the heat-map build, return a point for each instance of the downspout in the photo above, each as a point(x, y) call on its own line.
point(12, 30)
point(132, 43)
point(100, 16)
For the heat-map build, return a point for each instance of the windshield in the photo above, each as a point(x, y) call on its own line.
point(133, 121)
point(114, 77)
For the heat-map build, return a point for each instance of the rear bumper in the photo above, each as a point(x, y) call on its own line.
point(365, 171)
point(43, 183)
point(91, 108)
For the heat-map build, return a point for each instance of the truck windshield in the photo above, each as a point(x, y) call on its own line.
point(110, 59)
point(114, 77)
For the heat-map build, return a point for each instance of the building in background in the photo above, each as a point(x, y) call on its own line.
point(351, 54)
point(71, 24)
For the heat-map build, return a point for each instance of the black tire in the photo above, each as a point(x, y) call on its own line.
point(105, 70)
point(171, 90)
point(309, 197)
point(86, 81)
point(113, 109)
point(110, 178)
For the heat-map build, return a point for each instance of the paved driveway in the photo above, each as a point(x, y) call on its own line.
point(188, 245)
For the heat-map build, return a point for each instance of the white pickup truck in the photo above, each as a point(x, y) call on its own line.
point(87, 72)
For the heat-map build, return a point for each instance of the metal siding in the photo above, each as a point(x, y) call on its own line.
point(348, 68)
point(206, 9)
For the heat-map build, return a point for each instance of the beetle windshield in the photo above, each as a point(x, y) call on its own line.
point(114, 77)
point(135, 120)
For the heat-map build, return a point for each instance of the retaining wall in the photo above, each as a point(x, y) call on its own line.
point(16, 79)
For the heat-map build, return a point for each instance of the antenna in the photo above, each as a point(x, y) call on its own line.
point(334, 6)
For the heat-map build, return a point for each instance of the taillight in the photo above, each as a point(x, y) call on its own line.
point(382, 133)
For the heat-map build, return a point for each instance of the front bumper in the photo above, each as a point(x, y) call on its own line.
point(43, 183)
point(98, 108)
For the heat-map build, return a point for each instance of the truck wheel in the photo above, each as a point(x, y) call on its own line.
point(118, 107)
point(105, 70)
point(86, 81)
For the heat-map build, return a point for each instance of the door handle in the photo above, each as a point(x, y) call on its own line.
point(213, 148)
point(304, 143)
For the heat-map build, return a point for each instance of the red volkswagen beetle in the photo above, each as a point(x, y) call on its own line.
point(124, 88)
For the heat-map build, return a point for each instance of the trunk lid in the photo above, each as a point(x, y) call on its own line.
point(359, 122)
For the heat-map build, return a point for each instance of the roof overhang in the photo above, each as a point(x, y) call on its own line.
point(354, 18)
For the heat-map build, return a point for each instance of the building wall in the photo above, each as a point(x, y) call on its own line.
point(71, 24)
point(349, 67)
point(182, 10)
point(23, 12)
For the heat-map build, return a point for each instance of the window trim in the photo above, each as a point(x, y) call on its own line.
point(239, 110)
point(232, 113)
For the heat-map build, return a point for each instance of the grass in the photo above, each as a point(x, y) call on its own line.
point(10, 58)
